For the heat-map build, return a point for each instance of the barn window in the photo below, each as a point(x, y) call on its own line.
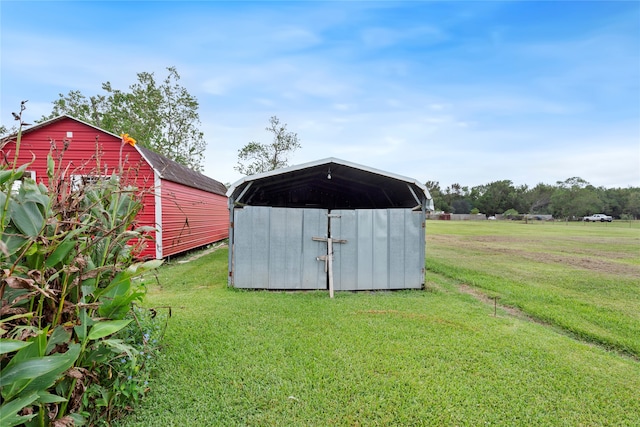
point(15, 187)
point(79, 181)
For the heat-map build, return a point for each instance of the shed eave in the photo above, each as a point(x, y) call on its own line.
point(236, 188)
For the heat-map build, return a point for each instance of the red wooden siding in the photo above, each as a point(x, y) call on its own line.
point(83, 142)
point(191, 218)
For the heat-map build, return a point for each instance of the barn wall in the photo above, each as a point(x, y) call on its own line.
point(191, 218)
point(83, 142)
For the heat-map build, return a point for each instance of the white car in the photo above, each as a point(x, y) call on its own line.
point(597, 217)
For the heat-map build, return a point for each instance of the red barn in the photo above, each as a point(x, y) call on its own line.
point(187, 209)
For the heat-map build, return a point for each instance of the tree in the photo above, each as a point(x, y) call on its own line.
point(439, 202)
point(633, 203)
point(256, 157)
point(496, 197)
point(575, 197)
point(461, 206)
point(538, 199)
point(162, 117)
point(454, 198)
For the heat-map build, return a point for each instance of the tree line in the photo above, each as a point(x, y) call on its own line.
point(572, 198)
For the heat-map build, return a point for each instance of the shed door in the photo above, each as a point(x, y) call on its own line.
point(385, 249)
point(274, 249)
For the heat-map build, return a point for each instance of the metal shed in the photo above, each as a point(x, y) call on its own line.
point(328, 224)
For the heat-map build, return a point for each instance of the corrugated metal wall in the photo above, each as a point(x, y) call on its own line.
point(273, 248)
point(191, 218)
point(384, 249)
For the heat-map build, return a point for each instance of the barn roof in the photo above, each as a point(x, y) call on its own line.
point(175, 172)
point(45, 123)
point(330, 184)
point(167, 168)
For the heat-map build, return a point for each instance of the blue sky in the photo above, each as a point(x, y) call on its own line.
point(456, 92)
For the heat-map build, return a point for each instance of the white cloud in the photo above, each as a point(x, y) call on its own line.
point(461, 96)
point(383, 37)
point(296, 37)
point(217, 86)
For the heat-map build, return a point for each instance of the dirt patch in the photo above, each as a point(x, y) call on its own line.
point(484, 298)
point(542, 251)
point(586, 263)
point(202, 253)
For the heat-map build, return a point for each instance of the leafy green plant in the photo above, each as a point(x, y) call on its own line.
point(125, 376)
point(512, 214)
point(67, 259)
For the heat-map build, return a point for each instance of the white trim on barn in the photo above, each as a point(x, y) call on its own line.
point(157, 194)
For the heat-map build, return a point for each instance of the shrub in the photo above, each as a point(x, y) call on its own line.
point(67, 289)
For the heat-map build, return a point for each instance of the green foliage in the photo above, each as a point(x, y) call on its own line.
point(68, 284)
point(256, 157)
point(497, 197)
point(510, 213)
point(4, 130)
point(124, 367)
point(572, 198)
point(439, 202)
point(575, 198)
point(633, 204)
point(162, 117)
point(538, 199)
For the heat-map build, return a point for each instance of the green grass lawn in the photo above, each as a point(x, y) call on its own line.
point(582, 277)
point(433, 357)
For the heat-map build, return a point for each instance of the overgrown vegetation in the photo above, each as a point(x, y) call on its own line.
point(433, 357)
point(74, 349)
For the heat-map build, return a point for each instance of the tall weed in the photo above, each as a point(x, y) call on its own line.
point(68, 286)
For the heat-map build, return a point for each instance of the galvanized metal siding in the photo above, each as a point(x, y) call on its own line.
point(83, 142)
point(191, 218)
point(273, 248)
point(384, 249)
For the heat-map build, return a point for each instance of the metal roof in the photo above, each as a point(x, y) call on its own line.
point(175, 172)
point(330, 184)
